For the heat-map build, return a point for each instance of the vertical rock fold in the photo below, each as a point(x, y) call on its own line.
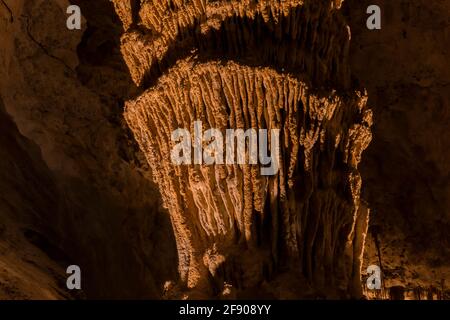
point(254, 65)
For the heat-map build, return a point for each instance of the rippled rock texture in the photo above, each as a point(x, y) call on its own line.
point(85, 171)
point(261, 65)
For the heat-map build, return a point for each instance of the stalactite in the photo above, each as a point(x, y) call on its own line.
point(261, 65)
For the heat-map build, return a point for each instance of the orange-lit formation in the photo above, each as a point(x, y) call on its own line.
point(262, 65)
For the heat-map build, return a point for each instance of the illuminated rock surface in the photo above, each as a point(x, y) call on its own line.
point(76, 188)
point(260, 65)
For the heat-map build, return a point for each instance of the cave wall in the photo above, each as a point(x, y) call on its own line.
point(76, 189)
point(406, 71)
point(27, 193)
point(102, 212)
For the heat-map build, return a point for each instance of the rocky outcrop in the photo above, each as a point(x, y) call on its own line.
point(261, 65)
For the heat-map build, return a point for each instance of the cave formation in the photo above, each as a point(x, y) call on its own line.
point(85, 171)
point(261, 65)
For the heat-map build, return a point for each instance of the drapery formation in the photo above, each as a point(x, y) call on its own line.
point(253, 65)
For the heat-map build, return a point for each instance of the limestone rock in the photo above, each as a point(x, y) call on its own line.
point(262, 65)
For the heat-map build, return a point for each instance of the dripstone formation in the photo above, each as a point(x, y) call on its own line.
point(253, 65)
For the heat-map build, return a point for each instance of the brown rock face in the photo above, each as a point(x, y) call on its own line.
point(254, 65)
point(406, 71)
point(76, 170)
point(27, 192)
point(76, 187)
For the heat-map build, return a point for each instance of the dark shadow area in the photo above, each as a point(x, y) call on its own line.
point(308, 53)
point(406, 70)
